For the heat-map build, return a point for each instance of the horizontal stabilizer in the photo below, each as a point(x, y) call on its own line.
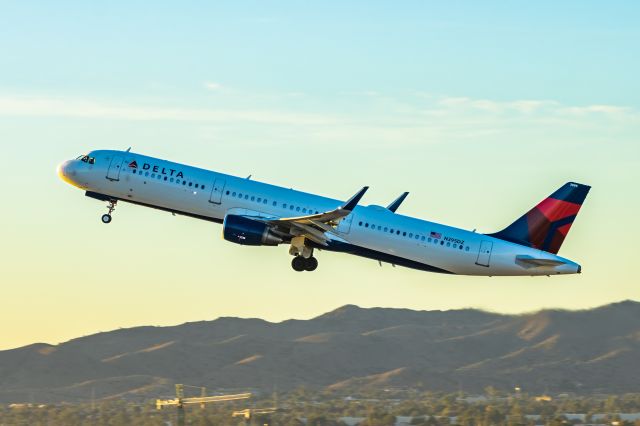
point(532, 262)
point(396, 203)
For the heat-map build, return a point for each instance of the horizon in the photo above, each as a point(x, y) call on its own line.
point(479, 111)
point(521, 314)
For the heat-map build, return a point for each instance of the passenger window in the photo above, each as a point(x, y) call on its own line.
point(404, 234)
point(233, 194)
point(398, 232)
point(165, 178)
point(259, 200)
point(411, 235)
point(246, 196)
point(284, 205)
point(184, 182)
point(392, 230)
point(190, 183)
point(304, 210)
point(461, 247)
point(360, 223)
point(379, 227)
point(455, 246)
point(298, 209)
point(441, 243)
point(417, 237)
point(422, 238)
point(146, 173)
point(227, 192)
point(275, 203)
point(134, 171)
point(265, 201)
point(171, 180)
point(253, 198)
point(291, 207)
point(466, 248)
point(429, 239)
point(386, 229)
point(366, 225)
point(448, 244)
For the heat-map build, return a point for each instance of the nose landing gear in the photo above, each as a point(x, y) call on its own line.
point(106, 218)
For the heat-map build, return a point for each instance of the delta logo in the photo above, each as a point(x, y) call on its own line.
point(133, 165)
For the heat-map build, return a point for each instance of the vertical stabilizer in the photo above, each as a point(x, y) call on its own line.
point(546, 225)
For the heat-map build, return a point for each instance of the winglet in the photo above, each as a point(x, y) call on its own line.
point(353, 201)
point(394, 205)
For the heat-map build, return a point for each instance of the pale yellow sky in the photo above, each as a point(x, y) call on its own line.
point(479, 112)
point(65, 274)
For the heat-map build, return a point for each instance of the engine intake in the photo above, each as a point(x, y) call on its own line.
point(248, 232)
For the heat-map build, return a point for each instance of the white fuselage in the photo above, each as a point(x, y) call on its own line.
point(370, 231)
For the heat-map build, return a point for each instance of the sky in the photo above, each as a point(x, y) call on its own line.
point(479, 109)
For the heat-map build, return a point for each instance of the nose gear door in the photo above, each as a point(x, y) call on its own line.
point(114, 169)
point(484, 255)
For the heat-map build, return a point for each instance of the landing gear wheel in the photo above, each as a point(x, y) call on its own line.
point(111, 206)
point(298, 263)
point(310, 264)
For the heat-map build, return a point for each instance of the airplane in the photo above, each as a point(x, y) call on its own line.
point(259, 214)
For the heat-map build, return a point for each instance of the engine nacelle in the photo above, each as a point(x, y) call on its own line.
point(248, 232)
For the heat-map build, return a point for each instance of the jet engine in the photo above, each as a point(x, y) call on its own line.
point(248, 232)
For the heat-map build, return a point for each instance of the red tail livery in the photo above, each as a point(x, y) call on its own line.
point(546, 225)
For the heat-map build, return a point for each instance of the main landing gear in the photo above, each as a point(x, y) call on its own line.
point(300, 263)
point(106, 218)
point(303, 259)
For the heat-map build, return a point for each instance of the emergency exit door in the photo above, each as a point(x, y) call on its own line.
point(344, 225)
point(484, 255)
point(216, 191)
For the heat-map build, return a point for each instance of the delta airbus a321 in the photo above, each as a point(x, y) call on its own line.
point(258, 214)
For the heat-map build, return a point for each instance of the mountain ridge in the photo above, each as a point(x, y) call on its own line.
point(346, 349)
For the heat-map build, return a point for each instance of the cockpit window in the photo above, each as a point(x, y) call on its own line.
point(86, 159)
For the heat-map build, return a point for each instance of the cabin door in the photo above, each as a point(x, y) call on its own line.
point(216, 191)
point(114, 169)
point(484, 255)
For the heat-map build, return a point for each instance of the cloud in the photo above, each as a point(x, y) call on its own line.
point(209, 85)
point(82, 108)
point(358, 121)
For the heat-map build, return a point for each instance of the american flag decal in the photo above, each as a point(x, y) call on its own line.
point(435, 235)
point(133, 165)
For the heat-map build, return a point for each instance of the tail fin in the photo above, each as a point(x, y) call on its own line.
point(546, 225)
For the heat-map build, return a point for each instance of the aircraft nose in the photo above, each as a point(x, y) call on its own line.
point(66, 172)
point(62, 169)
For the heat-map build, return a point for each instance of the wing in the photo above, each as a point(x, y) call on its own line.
point(314, 226)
